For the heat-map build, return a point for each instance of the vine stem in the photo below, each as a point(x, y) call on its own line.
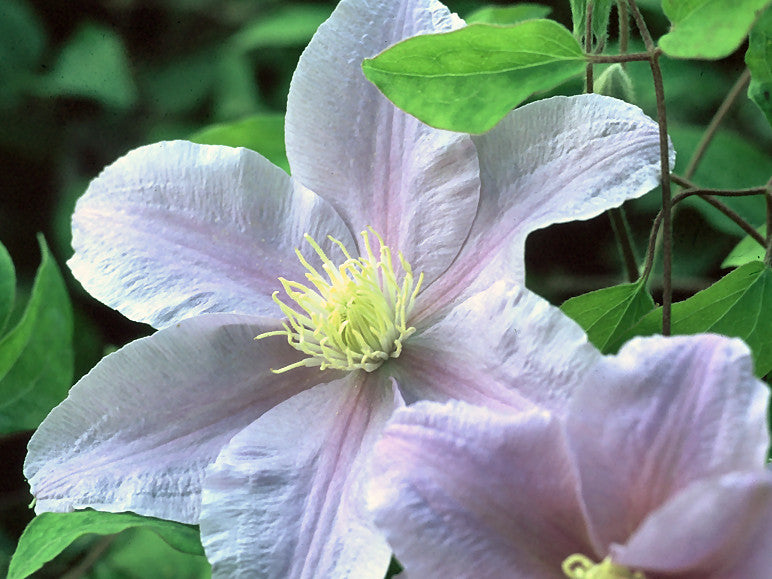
point(664, 160)
point(768, 253)
point(624, 27)
point(710, 132)
point(623, 58)
point(588, 48)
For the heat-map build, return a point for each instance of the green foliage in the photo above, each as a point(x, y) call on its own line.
point(708, 29)
point(93, 64)
point(261, 133)
point(759, 61)
point(468, 79)
point(22, 42)
point(507, 15)
point(290, 25)
point(36, 356)
point(738, 305)
point(606, 314)
point(615, 82)
point(601, 10)
point(746, 251)
point(7, 286)
point(50, 533)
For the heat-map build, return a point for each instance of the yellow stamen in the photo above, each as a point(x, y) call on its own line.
point(577, 566)
point(354, 316)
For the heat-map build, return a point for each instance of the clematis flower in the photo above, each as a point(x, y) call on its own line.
point(381, 272)
point(655, 469)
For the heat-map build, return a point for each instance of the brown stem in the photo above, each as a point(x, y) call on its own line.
point(588, 47)
point(612, 58)
point(664, 160)
point(624, 241)
point(624, 27)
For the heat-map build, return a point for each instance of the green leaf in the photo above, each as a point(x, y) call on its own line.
point(50, 533)
point(93, 64)
point(759, 61)
point(607, 313)
point(291, 25)
point(7, 286)
point(507, 15)
point(36, 356)
point(709, 29)
point(261, 133)
point(468, 79)
point(738, 305)
point(601, 10)
point(746, 251)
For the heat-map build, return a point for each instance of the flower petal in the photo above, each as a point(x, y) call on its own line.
point(176, 229)
point(720, 528)
point(137, 432)
point(416, 186)
point(496, 347)
point(552, 161)
point(284, 498)
point(461, 491)
point(661, 414)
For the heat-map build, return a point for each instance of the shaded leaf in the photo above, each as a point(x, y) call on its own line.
point(507, 15)
point(708, 29)
point(93, 64)
point(601, 10)
point(746, 251)
point(49, 534)
point(7, 286)
point(759, 61)
point(36, 356)
point(608, 313)
point(291, 25)
point(468, 79)
point(738, 305)
point(262, 133)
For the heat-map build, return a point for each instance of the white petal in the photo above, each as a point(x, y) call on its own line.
point(416, 186)
point(462, 491)
point(661, 414)
point(496, 347)
point(285, 497)
point(718, 528)
point(137, 432)
point(552, 161)
point(176, 229)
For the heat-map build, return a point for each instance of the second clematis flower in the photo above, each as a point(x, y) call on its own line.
point(655, 469)
point(398, 248)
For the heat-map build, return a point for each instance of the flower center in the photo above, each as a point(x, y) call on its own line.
point(355, 315)
point(578, 566)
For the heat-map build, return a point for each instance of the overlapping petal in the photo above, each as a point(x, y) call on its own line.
point(284, 497)
point(465, 492)
point(659, 416)
point(137, 432)
point(718, 528)
point(551, 161)
point(503, 346)
point(176, 229)
point(416, 186)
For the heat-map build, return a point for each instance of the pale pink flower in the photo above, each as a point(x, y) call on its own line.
point(655, 469)
point(194, 424)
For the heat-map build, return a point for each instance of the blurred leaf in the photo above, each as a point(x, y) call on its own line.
point(468, 79)
point(759, 61)
point(93, 64)
point(262, 133)
point(746, 251)
point(708, 29)
point(608, 313)
point(50, 533)
point(134, 552)
point(182, 84)
point(507, 15)
point(291, 25)
point(738, 305)
point(601, 10)
point(36, 357)
point(235, 91)
point(22, 41)
point(730, 162)
point(7, 286)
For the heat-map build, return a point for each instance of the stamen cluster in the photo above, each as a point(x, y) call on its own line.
point(578, 566)
point(355, 315)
